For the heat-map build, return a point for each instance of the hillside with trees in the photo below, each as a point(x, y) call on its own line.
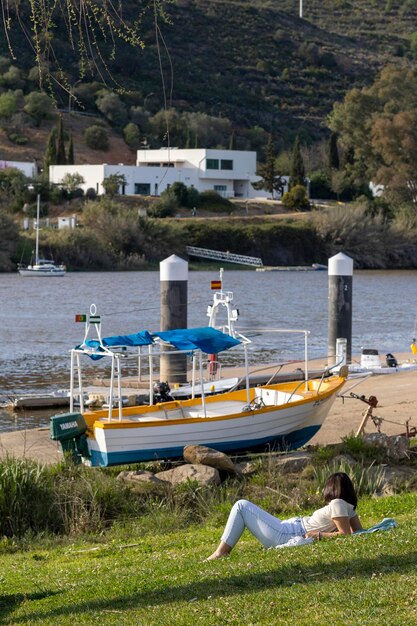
point(228, 72)
point(329, 99)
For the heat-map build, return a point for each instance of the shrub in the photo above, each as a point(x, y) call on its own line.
point(96, 138)
point(91, 193)
point(16, 138)
point(296, 199)
point(8, 105)
point(320, 185)
point(166, 206)
point(361, 449)
point(39, 106)
point(212, 201)
point(132, 136)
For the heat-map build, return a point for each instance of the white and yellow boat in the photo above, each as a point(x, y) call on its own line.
point(272, 416)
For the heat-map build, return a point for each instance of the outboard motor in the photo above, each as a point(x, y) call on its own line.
point(161, 392)
point(391, 360)
point(70, 430)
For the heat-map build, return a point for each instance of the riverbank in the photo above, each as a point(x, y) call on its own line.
point(397, 402)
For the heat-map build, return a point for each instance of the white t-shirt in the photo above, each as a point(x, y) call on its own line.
point(322, 519)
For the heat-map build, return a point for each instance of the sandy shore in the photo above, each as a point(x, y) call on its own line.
point(397, 402)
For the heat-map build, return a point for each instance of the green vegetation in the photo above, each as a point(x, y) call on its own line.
point(114, 236)
point(377, 126)
point(114, 555)
point(288, 86)
point(160, 579)
point(371, 135)
point(96, 138)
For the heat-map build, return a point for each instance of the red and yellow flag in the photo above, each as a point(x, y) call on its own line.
point(216, 284)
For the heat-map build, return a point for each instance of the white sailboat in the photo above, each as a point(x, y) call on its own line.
point(41, 267)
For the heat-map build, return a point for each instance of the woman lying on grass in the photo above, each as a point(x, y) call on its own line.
point(338, 517)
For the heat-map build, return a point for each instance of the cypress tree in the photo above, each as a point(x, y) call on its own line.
point(267, 171)
point(271, 180)
point(50, 152)
point(297, 174)
point(188, 139)
point(333, 156)
point(232, 144)
point(60, 144)
point(70, 154)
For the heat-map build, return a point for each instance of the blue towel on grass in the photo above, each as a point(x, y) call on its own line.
point(386, 524)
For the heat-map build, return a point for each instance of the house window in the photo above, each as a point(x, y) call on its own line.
point(221, 190)
point(212, 164)
point(226, 164)
point(143, 189)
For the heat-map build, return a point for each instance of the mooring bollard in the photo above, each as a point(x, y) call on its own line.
point(173, 273)
point(340, 304)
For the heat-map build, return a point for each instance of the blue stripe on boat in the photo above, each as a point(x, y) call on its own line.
point(290, 441)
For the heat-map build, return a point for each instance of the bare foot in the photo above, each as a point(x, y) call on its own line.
point(216, 555)
point(222, 550)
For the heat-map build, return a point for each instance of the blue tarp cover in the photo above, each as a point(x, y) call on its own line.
point(143, 338)
point(206, 339)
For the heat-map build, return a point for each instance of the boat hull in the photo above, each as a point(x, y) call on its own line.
point(287, 426)
point(39, 273)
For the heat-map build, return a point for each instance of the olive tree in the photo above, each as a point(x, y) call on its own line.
point(112, 183)
point(72, 182)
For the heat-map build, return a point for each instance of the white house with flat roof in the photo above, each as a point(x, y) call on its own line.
point(28, 168)
point(228, 172)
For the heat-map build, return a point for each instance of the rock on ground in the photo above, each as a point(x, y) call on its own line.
point(203, 474)
point(208, 456)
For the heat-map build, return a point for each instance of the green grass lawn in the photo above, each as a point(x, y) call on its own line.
point(129, 578)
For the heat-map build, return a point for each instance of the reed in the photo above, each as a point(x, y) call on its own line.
point(367, 480)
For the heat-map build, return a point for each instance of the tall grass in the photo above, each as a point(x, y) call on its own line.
point(370, 240)
point(26, 498)
point(63, 499)
point(367, 480)
point(76, 500)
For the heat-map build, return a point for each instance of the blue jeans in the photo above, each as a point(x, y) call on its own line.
point(269, 530)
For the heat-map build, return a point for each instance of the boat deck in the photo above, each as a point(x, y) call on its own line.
point(214, 409)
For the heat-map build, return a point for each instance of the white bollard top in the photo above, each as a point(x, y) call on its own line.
point(173, 268)
point(340, 265)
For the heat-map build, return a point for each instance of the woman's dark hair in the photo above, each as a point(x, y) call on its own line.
point(339, 485)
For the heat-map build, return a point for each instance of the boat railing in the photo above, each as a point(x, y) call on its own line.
point(325, 374)
point(297, 331)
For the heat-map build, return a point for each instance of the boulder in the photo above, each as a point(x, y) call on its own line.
point(246, 468)
point(344, 459)
point(202, 455)
point(203, 474)
point(395, 478)
point(142, 481)
point(397, 446)
point(293, 462)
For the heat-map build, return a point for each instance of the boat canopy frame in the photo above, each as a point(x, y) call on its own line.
point(193, 342)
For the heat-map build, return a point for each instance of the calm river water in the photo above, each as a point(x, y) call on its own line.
point(37, 326)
